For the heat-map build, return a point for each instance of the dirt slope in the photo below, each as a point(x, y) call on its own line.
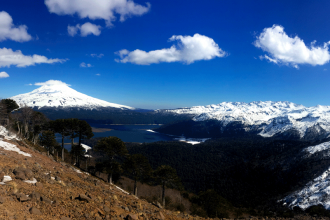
point(63, 192)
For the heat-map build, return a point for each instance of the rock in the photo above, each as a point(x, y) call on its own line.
point(125, 208)
point(160, 216)
point(65, 218)
point(35, 196)
point(100, 212)
point(2, 200)
point(45, 199)
point(19, 175)
point(106, 209)
point(2, 176)
point(56, 202)
point(90, 196)
point(132, 217)
point(28, 174)
point(38, 184)
point(23, 198)
point(83, 197)
point(57, 178)
point(35, 211)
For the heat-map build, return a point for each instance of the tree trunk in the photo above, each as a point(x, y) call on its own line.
point(71, 143)
point(19, 130)
point(135, 187)
point(62, 147)
point(63, 154)
point(110, 178)
point(163, 196)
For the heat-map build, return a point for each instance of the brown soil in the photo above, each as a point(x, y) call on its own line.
point(73, 195)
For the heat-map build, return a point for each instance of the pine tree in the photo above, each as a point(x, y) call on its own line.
point(113, 149)
point(47, 139)
point(139, 168)
point(167, 176)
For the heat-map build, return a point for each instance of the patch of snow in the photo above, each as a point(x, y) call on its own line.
point(86, 147)
point(53, 178)
point(121, 189)
point(34, 181)
point(192, 141)
point(7, 135)
point(317, 148)
point(76, 170)
point(62, 96)
point(12, 147)
point(151, 131)
point(6, 179)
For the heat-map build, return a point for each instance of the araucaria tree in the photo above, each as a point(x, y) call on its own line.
point(167, 176)
point(114, 149)
point(138, 168)
point(59, 126)
point(47, 139)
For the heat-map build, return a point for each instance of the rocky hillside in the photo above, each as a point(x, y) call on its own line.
point(35, 186)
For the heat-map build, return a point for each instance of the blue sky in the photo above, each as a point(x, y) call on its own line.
point(168, 54)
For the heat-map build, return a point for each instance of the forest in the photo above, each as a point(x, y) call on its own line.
point(248, 172)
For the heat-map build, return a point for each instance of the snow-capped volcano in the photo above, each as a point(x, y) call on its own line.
point(269, 118)
point(61, 95)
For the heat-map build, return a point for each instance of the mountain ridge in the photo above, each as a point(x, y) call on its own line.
point(269, 118)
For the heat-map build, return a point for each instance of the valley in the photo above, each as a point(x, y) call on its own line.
point(253, 155)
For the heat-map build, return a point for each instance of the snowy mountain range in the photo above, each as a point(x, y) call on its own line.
point(62, 96)
point(267, 118)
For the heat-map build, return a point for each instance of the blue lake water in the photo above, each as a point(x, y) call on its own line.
point(133, 133)
point(127, 133)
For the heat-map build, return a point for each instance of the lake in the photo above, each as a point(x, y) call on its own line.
point(132, 133)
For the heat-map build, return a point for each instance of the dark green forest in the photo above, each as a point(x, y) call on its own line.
point(250, 173)
point(113, 116)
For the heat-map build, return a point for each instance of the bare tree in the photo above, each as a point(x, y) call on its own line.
point(26, 117)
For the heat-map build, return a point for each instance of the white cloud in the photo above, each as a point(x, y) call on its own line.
point(9, 57)
point(85, 29)
point(83, 64)
point(188, 50)
point(98, 74)
point(287, 50)
point(97, 9)
point(73, 30)
point(8, 31)
point(51, 83)
point(97, 55)
point(3, 75)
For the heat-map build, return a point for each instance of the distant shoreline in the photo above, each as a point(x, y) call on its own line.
point(100, 130)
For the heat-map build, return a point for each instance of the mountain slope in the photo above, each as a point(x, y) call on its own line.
point(317, 191)
point(62, 96)
point(268, 119)
point(35, 186)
